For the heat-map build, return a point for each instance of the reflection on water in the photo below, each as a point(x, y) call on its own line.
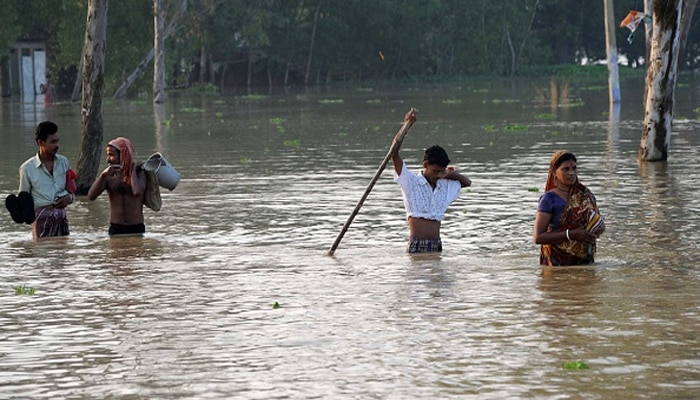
point(569, 292)
point(186, 310)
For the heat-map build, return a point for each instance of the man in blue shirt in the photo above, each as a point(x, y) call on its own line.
point(43, 176)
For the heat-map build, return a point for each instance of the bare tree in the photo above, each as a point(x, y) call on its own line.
point(78, 82)
point(648, 29)
point(686, 21)
point(92, 93)
point(173, 26)
point(311, 45)
point(661, 81)
point(611, 48)
point(159, 51)
point(515, 56)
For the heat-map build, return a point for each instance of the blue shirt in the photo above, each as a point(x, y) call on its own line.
point(551, 203)
point(44, 187)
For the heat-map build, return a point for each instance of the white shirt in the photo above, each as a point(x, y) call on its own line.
point(44, 187)
point(419, 198)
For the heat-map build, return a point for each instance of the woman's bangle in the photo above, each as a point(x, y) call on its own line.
point(567, 235)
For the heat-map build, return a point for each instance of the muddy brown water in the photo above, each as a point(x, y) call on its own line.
point(267, 183)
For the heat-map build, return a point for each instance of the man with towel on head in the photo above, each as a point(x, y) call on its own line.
point(125, 181)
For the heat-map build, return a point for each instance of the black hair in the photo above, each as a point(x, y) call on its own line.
point(44, 129)
point(564, 157)
point(436, 155)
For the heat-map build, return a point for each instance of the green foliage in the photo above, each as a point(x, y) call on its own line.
point(192, 110)
point(516, 127)
point(70, 35)
point(254, 97)
point(215, 44)
point(545, 116)
point(10, 28)
point(331, 101)
point(20, 290)
point(207, 88)
point(575, 365)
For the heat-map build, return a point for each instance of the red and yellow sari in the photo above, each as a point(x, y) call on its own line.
point(580, 211)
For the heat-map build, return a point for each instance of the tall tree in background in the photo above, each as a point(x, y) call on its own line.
point(311, 44)
point(611, 45)
point(661, 80)
point(174, 24)
point(686, 23)
point(159, 51)
point(9, 32)
point(92, 94)
point(516, 47)
point(254, 42)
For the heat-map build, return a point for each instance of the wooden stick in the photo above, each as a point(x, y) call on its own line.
point(409, 119)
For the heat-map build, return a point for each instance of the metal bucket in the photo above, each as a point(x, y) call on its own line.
point(168, 177)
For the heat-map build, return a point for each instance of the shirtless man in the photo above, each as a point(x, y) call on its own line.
point(126, 183)
point(427, 195)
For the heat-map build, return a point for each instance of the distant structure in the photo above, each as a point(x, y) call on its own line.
point(25, 73)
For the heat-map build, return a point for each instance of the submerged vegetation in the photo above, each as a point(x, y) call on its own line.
point(575, 365)
point(20, 290)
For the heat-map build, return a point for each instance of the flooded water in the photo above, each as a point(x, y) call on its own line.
point(187, 311)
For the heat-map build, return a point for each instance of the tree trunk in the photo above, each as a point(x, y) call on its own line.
point(397, 65)
point(286, 72)
point(686, 20)
point(203, 66)
point(159, 52)
point(611, 47)
point(269, 74)
point(222, 77)
point(121, 92)
point(311, 45)
point(159, 120)
point(172, 27)
point(92, 93)
point(213, 69)
point(78, 81)
point(515, 57)
point(661, 81)
point(649, 30)
point(249, 77)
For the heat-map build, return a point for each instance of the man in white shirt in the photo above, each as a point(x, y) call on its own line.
point(44, 177)
point(427, 195)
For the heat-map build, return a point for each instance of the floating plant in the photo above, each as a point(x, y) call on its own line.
point(575, 365)
point(19, 290)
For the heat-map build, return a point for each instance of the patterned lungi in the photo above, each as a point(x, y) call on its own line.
point(416, 245)
point(50, 221)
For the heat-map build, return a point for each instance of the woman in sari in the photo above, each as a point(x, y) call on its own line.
point(568, 222)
